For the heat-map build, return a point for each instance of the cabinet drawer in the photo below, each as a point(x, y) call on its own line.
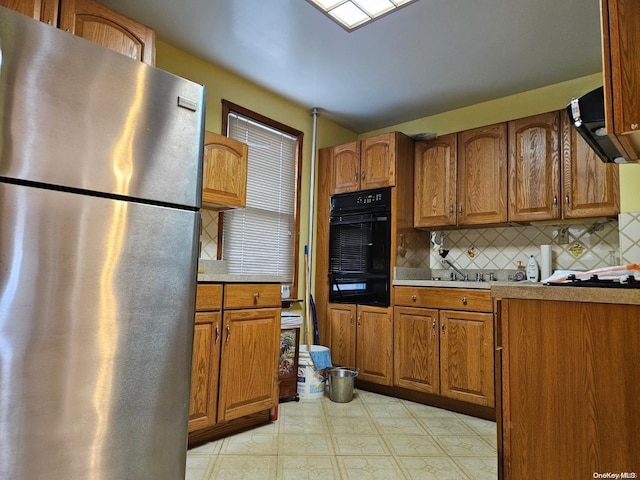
point(252, 295)
point(444, 298)
point(208, 297)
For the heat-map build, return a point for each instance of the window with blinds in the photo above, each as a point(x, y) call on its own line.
point(262, 238)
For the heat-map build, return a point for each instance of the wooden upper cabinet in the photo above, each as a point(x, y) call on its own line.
point(224, 182)
point(482, 175)
point(99, 24)
point(44, 10)
point(534, 167)
point(345, 167)
point(621, 61)
point(367, 164)
point(378, 161)
point(435, 182)
point(590, 187)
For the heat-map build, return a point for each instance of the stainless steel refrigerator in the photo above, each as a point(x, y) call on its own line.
point(100, 181)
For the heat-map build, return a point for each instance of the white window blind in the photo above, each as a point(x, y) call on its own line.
point(259, 238)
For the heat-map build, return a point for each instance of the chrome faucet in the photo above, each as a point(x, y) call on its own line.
point(464, 276)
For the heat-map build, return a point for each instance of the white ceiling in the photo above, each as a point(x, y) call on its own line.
point(430, 56)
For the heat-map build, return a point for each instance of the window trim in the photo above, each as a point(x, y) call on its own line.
point(228, 107)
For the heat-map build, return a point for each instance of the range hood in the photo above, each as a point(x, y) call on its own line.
point(587, 115)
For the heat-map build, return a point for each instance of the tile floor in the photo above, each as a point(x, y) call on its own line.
point(371, 437)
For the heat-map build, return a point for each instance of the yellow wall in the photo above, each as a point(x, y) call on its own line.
point(545, 99)
point(221, 84)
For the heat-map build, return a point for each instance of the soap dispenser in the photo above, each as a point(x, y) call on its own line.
point(533, 273)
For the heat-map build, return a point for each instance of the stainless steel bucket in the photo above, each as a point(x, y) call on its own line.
point(341, 384)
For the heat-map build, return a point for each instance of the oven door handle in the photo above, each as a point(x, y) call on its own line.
point(350, 220)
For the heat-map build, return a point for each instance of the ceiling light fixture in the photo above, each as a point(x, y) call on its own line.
point(351, 14)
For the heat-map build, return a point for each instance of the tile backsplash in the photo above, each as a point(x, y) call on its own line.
point(574, 246)
point(209, 237)
point(578, 246)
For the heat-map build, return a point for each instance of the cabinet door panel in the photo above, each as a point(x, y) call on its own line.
point(416, 349)
point(590, 187)
point(466, 356)
point(534, 168)
point(224, 182)
point(346, 168)
point(435, 182)
point(374, 344)
point(205, 364)
point(342, 334)
point(96, 23)
point(482, 175)
point(44, 10)
point(249, 362)
point(377, 162)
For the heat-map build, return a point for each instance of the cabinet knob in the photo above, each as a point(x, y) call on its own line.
point(634, 126)
point(256, 296)
point(413, 298)
point(464, 300)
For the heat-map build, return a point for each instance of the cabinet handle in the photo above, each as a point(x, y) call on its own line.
point(443, 329)
point(359, 320)
point(355, 177)
point(217, 334)
point(433, 327)
point(460, 210)
point(228, 334)
point(351, 320)
point(555, 200)
point(464, 300)
point(362, 176)
point(451, 210)
point(634, 126)
point(566, 199)
point(413, 298)
point(256, 296)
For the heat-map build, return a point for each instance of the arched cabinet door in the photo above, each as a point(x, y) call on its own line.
point(106, 27)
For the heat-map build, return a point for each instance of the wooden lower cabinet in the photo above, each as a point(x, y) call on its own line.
point(570, 389)
point(203, 401)
point(249, 365)
point(236, 347)
point(361, 337)
point(445, 352)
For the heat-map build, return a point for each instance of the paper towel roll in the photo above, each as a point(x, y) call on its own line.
point(545, 262)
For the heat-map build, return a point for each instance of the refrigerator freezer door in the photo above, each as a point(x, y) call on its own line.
point(96, 325)
point(78, 115)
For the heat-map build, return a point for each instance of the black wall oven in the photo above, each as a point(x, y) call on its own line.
point(359, 247)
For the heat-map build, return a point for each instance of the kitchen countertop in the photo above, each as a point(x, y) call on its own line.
point(453, 284)
point(216, 271)
point(234, 278)
point(538, 291)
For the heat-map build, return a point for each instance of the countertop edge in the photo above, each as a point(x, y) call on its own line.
point(568, 294)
